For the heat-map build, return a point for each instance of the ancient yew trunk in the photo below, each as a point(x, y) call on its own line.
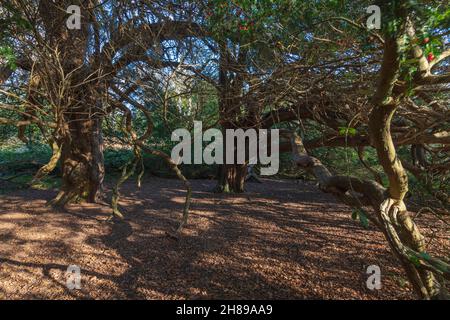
point(76, 97)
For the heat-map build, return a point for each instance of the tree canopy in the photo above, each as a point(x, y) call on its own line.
point(137, 70)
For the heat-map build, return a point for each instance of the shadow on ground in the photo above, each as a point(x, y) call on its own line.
point(280, 240)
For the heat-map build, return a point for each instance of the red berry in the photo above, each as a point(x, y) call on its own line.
point(430, 57)
point(426, 40)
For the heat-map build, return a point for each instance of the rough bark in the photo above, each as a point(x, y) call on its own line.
point(82, 162)
point(236, 112)
point(232, 178)
point(75, 99)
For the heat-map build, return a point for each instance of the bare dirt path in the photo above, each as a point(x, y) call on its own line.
point(280, 240)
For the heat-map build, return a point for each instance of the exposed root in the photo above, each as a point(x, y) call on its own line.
point(62, 199)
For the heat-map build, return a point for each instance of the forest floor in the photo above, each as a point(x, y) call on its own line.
point(280, 240)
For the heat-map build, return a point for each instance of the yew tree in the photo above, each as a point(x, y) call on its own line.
point(68, 74)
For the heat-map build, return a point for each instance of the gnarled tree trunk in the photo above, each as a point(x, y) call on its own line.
point(82, 161)
point(400, 229)
point(77, 91)
point(231, 176)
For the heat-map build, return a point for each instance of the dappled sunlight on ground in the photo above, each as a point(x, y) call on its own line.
point(281, 239)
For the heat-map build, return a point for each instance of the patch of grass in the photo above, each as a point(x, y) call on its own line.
point(47, 183)
point(22, 181)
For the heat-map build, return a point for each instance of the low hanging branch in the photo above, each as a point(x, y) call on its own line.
point(50, 166)
point(350, 190)
point(358, 193)
point(129, 169)
point(180, 176)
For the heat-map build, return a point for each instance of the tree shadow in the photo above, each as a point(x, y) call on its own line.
point(280, 240)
